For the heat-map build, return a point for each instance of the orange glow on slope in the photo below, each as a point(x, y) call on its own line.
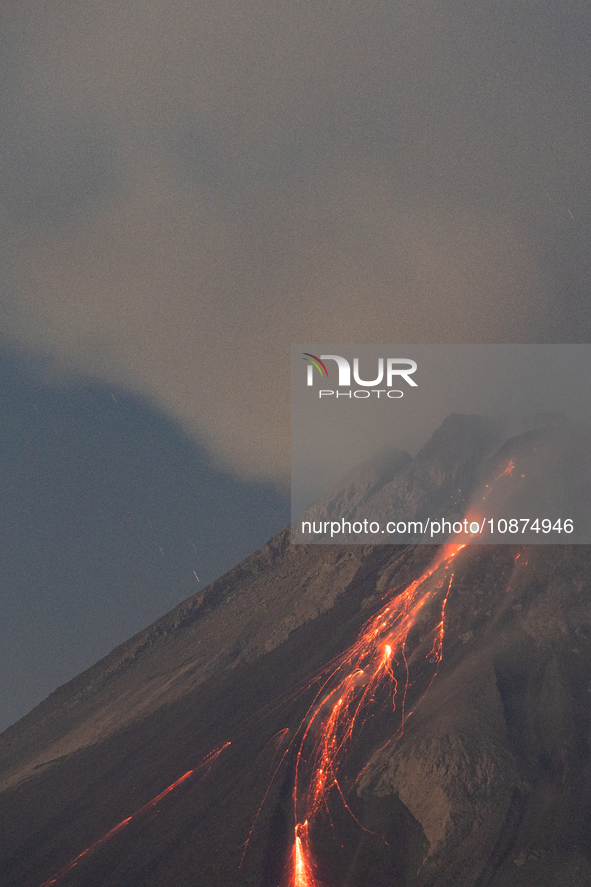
point(209, 759)
point(349, 691)
point(508, 469)
point(506, 472)
point(303, 875)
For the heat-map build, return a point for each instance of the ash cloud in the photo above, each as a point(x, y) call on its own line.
point(188, 188)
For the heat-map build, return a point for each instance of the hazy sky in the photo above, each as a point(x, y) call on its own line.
point(188, 187)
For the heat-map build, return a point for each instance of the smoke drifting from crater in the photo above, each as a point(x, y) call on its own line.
point(188, 188)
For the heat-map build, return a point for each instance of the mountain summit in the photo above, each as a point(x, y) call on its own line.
point(414, 716)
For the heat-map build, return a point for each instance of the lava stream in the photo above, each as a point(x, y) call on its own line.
point(358, 674)
point(303, 876)
point(208, 760)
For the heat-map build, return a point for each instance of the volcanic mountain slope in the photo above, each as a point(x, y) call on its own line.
point(548, 471)
point(487, 785)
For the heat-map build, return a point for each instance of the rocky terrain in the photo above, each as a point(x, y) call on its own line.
point(487, 785)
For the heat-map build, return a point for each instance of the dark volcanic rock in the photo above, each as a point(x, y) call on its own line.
point(487, 785)
point(490, 783)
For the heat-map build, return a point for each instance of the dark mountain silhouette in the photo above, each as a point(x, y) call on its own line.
point(488, 784)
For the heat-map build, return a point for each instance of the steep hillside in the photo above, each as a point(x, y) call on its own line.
point(329, 716)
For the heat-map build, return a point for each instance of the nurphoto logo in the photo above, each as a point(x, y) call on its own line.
point(397, 368)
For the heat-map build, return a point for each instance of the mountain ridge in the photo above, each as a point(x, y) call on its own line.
point(478, 775)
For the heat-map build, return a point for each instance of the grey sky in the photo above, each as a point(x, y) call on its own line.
point(187, 188)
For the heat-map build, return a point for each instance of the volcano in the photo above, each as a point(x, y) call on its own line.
point(400, 715)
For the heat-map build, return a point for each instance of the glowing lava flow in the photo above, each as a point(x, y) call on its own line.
point(506, 472)
point(303, 876)
point(352, 686)
point(209, 759)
